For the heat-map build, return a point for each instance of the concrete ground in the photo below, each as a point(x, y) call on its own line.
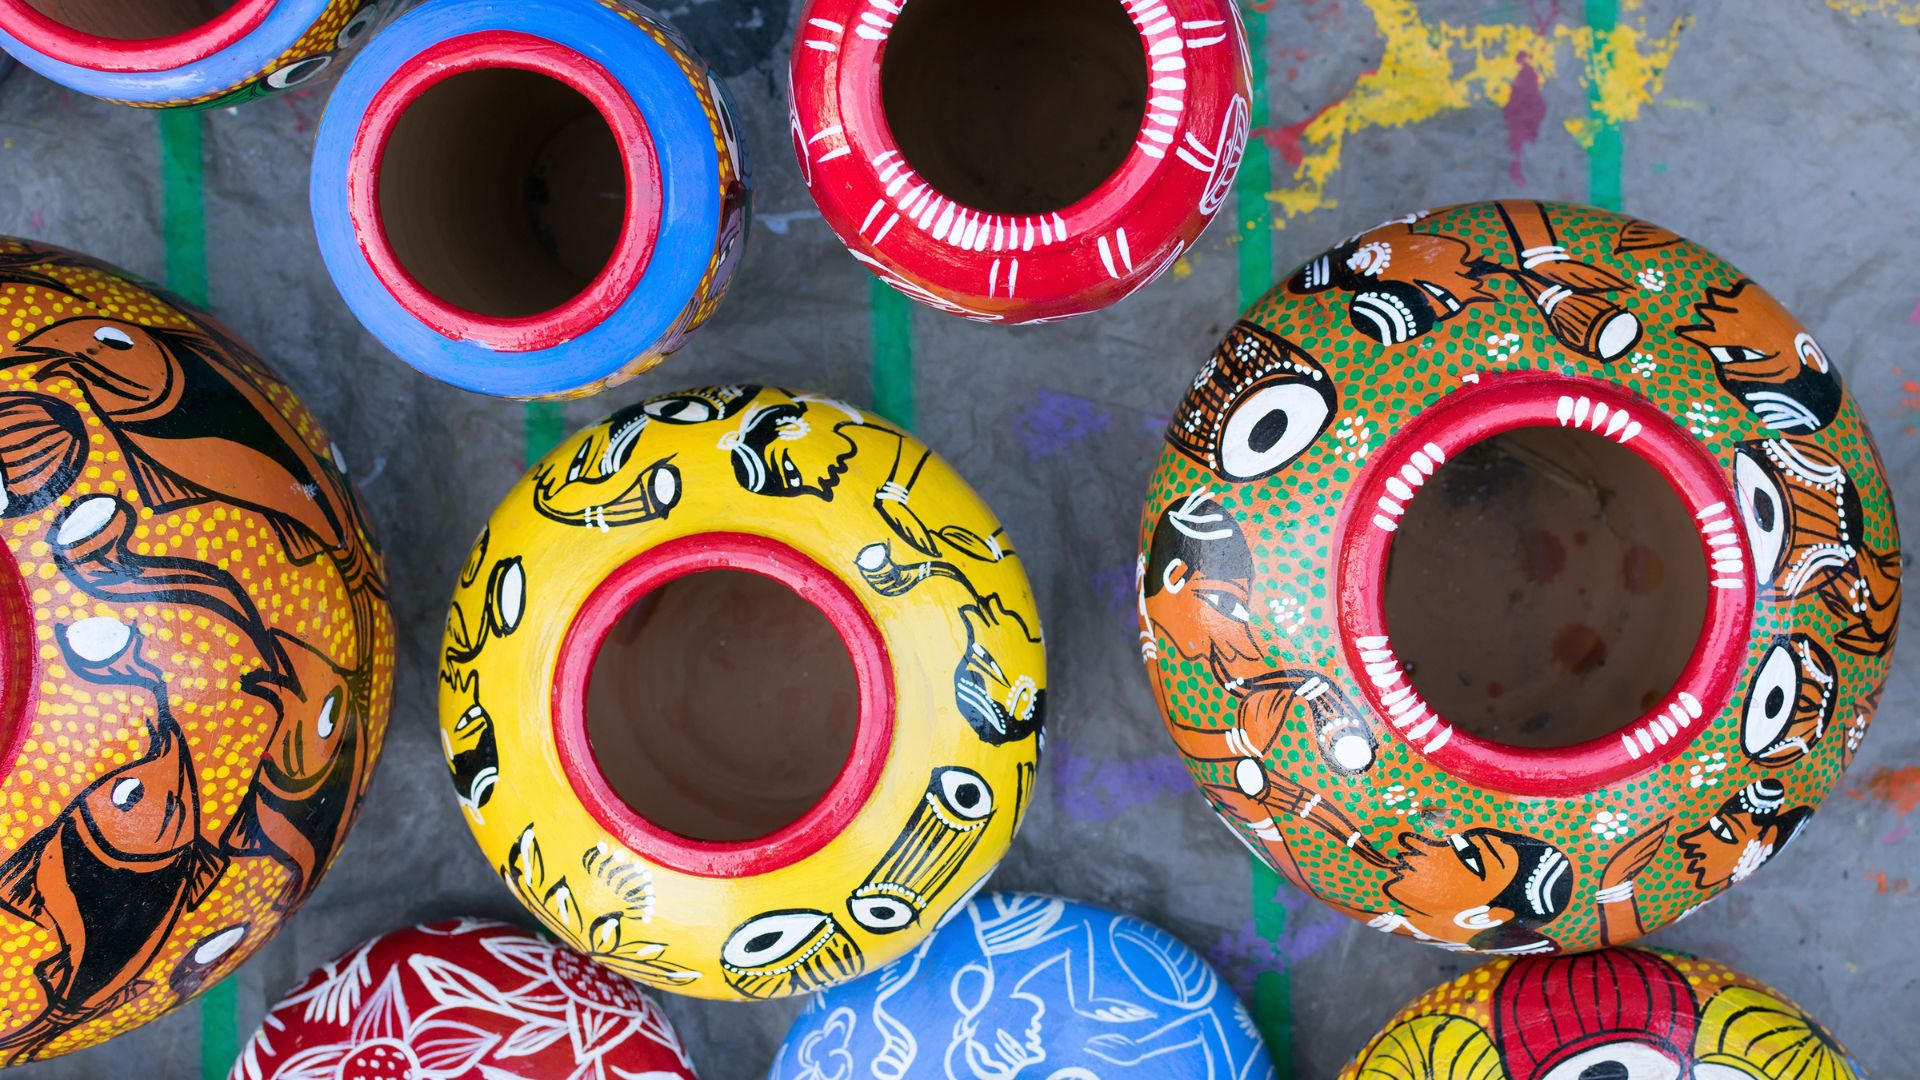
point(1789, 141)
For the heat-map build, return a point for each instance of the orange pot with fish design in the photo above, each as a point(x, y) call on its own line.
point(197, 656)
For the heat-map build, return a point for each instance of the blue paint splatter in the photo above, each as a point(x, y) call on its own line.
point(1088, 790)
point(1053, 423)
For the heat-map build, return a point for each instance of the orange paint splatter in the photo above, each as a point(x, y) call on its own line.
point(1898, 788)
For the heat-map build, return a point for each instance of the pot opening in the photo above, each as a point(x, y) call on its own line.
point(502, 192)
point(133, 20)
point(1012, 107)
point(722, 706)
point(1546, 587)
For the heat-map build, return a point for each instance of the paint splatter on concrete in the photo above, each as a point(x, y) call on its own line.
point(1898, 788)
point(1088, 790)
point(1526, 108)
point(1055, 422)
point(1429, 67)
point(1115, 587)
point(1904, 12)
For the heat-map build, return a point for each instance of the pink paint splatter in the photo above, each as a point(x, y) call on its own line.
point(1525, 110)
point(1915, 317)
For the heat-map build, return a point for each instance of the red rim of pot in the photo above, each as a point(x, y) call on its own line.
point(640, 226)
point(1364, 537)
point(52, 38)
point(1023, 267)
point(873, 732)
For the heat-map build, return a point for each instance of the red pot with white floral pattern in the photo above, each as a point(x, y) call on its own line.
point(459, 1000)
point(1016, 162)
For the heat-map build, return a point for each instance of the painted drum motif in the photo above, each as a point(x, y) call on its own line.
point(1630, 1014)
point(1014, 255)
point(1016, 985)
point(198, 653)
point(149, 57)
point(917, 580)
point(461, 999)
point(1300, 450)
point(539, 199)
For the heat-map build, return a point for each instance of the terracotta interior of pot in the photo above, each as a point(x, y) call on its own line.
point(722, 706)
point(1545, 587)
point(131, 20)
point(1011, 106)
point(502, 192)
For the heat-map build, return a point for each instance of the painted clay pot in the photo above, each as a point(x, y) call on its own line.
point(1010, 162)
point(160, 54)
point(741, 691)
point(463, 998)
point(197, 654)
point(537, 199)
point(1517, 577)
point(1631, 1014)
point(1021, 985)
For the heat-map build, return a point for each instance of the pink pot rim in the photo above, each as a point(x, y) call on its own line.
point(1025, 267)
point(873, 732)
point(57, 40)
point(1364, 535)
point(640, 227)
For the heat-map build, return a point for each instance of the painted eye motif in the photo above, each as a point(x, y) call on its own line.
point(324, 724)
point(1763, 508)
point(357, 27)
point(1347, 746)
point(113, 338)
point(666, 486)
point(1269, 427)
point(1720, 829)
point(1619, 1061)
point(126, 794)
point(881, 914)
point(1469, 857)
point(509, 593)
point(1771, 700)
point(300, 71)
point(774, 939)
point(681, 409)
point(1256, 406)
point(964, 792)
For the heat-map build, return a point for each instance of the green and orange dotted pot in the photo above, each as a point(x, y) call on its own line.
point(1517, 577)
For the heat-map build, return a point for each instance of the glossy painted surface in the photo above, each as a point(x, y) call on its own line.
point(1018, 985)
point(463, 999)
point(198, 653)
point(255, 50)
point(859, 519)
point(1289, 464)
point(1016, 268)
point(647, 80)
point(1630, 1014)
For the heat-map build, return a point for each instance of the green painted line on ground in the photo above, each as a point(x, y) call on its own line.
point(1272, 1004)
point(892, 319)
point(543, 425)
point(1603, 153)
point(183, 225)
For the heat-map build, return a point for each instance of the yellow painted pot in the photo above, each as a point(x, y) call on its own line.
point(742, 691)
point(1618, 1014)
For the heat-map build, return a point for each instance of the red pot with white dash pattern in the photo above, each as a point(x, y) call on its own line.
point(1014, 162)
point(461, 1000)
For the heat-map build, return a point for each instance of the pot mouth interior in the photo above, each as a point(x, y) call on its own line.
point(503, 192)
point(1010, 107)
point(1545, 588)
point(723, 705)
point(133, 20)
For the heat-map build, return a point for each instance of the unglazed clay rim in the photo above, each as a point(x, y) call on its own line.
point(873, 731)
point(942, 248)
point(1499, 403)
point(640, 228)
point(58, 41)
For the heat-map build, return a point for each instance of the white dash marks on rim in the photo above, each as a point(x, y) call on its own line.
point(1401, 485)
point(1722, 536)
point(1588, 415)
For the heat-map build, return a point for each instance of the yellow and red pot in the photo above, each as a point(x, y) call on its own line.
point(197, 653)
point(1517, 577)
point(742, 691)
point(165, 53)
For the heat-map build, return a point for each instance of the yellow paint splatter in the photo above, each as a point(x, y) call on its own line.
point(1432, 67)
point(1904, 12)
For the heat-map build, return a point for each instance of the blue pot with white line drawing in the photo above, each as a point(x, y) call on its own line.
point(1023, 987)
